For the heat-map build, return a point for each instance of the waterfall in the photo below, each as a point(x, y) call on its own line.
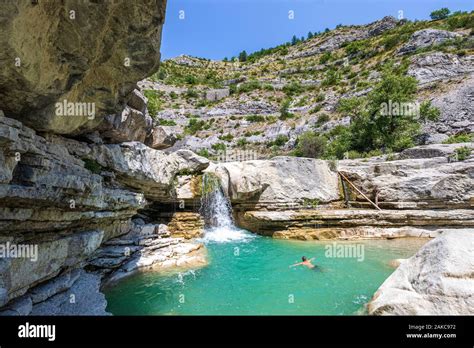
point(216, 210)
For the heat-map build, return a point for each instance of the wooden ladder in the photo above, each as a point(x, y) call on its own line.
point(346, 196)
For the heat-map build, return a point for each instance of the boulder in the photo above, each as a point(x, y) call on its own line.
point(437, 280)
point(162, 137)
point(217, 94)
point(425, 38)
point(89, 52)
point(187, 225)
point(132, 124)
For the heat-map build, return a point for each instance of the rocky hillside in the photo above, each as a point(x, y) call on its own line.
point(268, 101)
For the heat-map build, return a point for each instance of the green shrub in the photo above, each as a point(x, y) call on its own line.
point(322, 119)
point(242, 142)
point(316, 109)
point(320, 98)
point(250, 86)
point(163, 122)
point(154, 103)
point(191, 93)
point(219, 147)
point(279, 141)
point(194, 126)
point(390, 41)
point(92, 165)
point(190, 80)
point(293, 88)
point(463, 153)
point(255, 118)
point(326, 57)
point(227, 137)
point(310, 203)
point(203, 153)
point(459, 138)
point(460, 20)
point(331, 79)
point(310, 145)
point(284, 110)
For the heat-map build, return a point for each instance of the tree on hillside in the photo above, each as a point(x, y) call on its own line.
point(372, 128)
point(310, 35)
point(442, 13)
point(294, 40)
point(243, 56)
point(310, 145)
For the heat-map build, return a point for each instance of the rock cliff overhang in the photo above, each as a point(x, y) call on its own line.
point(84, 54)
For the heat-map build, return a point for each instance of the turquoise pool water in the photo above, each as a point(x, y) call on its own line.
point(250, 275)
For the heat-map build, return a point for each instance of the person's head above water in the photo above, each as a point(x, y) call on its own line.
point(304, 258)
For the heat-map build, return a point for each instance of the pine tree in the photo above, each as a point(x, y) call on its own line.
point(294, 40)
point(243, 56)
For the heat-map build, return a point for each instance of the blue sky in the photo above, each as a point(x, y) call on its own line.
point(222, 28)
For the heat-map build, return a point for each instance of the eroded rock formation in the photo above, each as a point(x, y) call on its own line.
point(438, 280)
point(69, 198)
point(75, 51)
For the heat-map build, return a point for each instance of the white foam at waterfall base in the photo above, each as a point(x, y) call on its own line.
point(226, 234)
point(222, 229)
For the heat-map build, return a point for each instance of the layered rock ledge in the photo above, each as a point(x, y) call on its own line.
point(74, 200)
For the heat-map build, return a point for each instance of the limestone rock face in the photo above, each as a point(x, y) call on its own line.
point(439, 66)
point(325, 224)
point(82, 52)
point(132, 124)
point(431, 151)
point(427, 37)
point(437, 280)
point(347, 35)
point(69, 197)
point(280, 181)
point(54, 254)
point(186, 225)
point(425, 177)
point(145, 247)
point(145, 169)
point(457, 110)
point(88, 299)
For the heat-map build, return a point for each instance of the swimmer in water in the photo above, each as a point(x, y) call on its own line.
point(305, 262)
